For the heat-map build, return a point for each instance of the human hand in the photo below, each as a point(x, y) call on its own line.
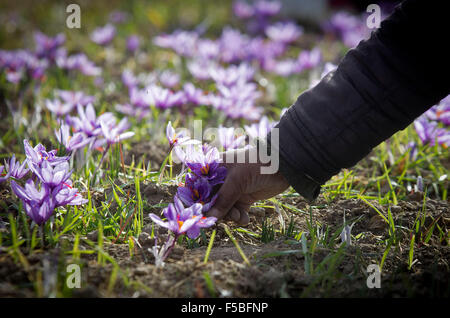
point(243, 186)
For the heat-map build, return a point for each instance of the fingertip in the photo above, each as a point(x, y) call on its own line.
point(244, 218)
point(215, 213)
point(235, 215)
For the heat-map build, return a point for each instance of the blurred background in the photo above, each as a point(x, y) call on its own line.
point(17, 18)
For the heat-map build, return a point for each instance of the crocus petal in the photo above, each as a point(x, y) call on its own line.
point(189, 223)
point(207, 222)
point(126, 135)
point(19, 191)
point(31, 153)
point(178, 204)
point(185, 194)
point(170, 212)
point(158, 220)
point(193, 232)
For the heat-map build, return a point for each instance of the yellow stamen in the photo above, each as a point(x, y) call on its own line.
point(205, 169)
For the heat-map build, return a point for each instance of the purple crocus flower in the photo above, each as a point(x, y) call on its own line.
point(206, 164)
point(197, 190)
point(140, 98)
point(267, 8)
point(133, 43)
point(250, 112)
point(228, 138)
point(180, 220)
point(40, 202)
point(30, 192)
point(78, 62)
point(114, 134)
point(20, 63)
point(169, 79)
point(39, 155)
point(236, 106)
point(36, 68)
point(16, 169)
point(429, 132)
point(232, 75)
point(14, 76)
point(208, 49)
point(261, 129)
point(66, 194)
point(350, 28)
point(203, 222)
point(54, 188)
point(182, 42)
point(174, 138)
point(232, 45)
point(47, 47)
point(309, 59)
point(440, 112)
point(103, 35)
point(164, 98)
point(200, 69)
point(242, 10)
point(58, 107)
point(283, 68)
point(444, 138)
point(244, 109)
point(271, 49)
point(71, 142)
point(129, 80)
point(256, 49)
point(52, 176)
point(219, 102)
point(353, 37)
point(88, 122)
point(3, 176)
point(74, 98)
point(194, 95)
point(11, 60)
point(341, 22)
point(285, 32)
point(177, 140)
point(131, 110)
point(84, 65)
point(38, 205)
point(39, 212)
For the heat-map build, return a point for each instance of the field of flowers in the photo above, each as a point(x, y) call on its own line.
point(97, 172)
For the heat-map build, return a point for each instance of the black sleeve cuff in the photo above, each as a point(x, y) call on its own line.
point(301, 182)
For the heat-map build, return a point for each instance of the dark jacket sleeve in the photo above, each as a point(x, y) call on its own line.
point(379, 88)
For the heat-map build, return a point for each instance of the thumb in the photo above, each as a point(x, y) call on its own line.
point(228, 195)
